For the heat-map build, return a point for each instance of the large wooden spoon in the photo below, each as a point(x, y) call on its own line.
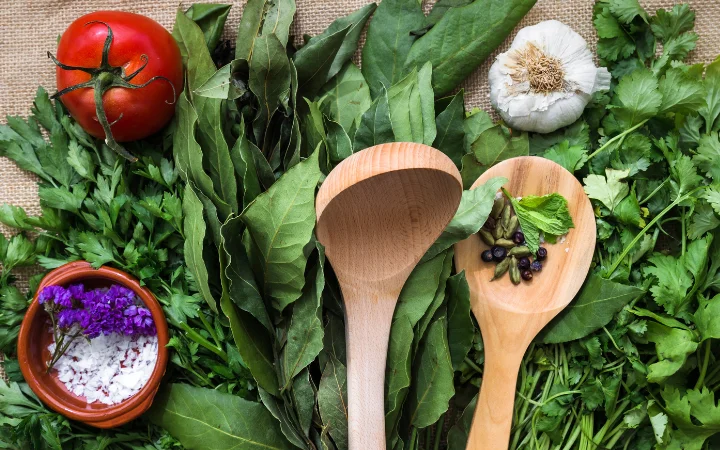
point(511, 316)
point(378, 212)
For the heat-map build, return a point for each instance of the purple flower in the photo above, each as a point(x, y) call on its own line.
point(77, 291)
point(57, 295)
point(138, 320)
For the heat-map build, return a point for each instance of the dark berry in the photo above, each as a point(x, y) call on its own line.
point(541, 254)
point(489, 224)
point(524, 263)
point(499, 253)
point(536, 266)
point(487, 256)
point(526, 275)
point(518, 237)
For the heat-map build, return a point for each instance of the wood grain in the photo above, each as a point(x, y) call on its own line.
point(511, 316)
point(378, 213)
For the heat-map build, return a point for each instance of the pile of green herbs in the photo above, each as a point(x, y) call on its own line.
point(218, 218)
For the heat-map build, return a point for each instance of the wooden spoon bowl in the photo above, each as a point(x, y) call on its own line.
point(511, 316)
point(378, 212)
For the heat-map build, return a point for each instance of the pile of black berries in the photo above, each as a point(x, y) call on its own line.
point(508, 249)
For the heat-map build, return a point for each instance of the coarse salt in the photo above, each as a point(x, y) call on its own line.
point(107, 369)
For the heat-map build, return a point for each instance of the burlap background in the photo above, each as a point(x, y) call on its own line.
point(29, 28)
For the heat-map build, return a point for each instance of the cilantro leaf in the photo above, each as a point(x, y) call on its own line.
point(685, 175)
point(711, 110)
point(695, 414)
point(703, 220)
point(614, 42)
point(97, 250)
point(708, 155)
point(572, 158)
point(608, 189)
point(637, 98)
point(673, 346)
point(627, 10)
point(680, 92)
point(547, 213)
point(669, 24)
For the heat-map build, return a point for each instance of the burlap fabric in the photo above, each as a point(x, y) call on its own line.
point(29, 28)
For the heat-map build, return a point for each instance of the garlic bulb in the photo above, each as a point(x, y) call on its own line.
point(546, 78)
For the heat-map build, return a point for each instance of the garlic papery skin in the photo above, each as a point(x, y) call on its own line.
point(546, 78)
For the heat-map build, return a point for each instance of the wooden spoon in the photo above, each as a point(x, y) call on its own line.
point(378, 212)
point(511, 316)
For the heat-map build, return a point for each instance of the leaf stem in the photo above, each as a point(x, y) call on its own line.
point(616, 138)
point(703, 369)
point(655, 191)
point(474, 366)
point(195, 336)
point(438, 432)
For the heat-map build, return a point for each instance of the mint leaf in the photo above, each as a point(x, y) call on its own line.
point(548, 213)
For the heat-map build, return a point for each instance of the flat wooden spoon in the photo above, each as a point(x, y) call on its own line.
point(511, 316)
point(378, 212)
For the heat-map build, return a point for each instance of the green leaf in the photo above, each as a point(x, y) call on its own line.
point(433, 386)
point(281, 222)
point(706, 317)
point(450, 132)
point(476, 123)
point(595, 305)
point(669, 24)
point(681, 93)
point(708, 155)
point(62, 198)
point(420, 289)
point(388, 43)
point(222, 84)
point(243, 289)
point(243, 159)
point(194, 226)
point(305, 334)
point(249, 28)
point(211, 20)
point(43, 110)
point(346, 97)
point(711, 110)
point(608, 189)
point(332, 402)
point(14, 217)
point(673, 346)
point(547, 213)
point(278, 18)
point(571, 158)
point(208, 419)
point(496, 144)
point(314, 61)
point(674, 281)
point(397, 372)
point(695, 414)
point(627, 10)
point(614, 42)
point(269, 78)
point(354, 23)
point(81, 160)
point(458, 434)
point(703, 220)
point(463, 39)
point(473, 211)
point(54, 158)
point(637, 98)
point(337, 142)
point(196, 56)
point(412, 107)
point(460, 325)
point(20, 251)
point(288, 424)
point(375, 126)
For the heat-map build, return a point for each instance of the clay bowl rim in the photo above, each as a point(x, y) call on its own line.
point(126, 410)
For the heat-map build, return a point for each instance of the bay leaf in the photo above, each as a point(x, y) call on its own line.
point(412, 107)
point(450, 132)
point(438, 301)
point(243, 289)
point(333, 340)
point(458, 435)
point(196, 57)
point(281, 222)
point(397, 374)
point(337, 141)
point(194, 227)
point(278, 18)
point(282, 413)
point(433, 379)
point(211, 20)
point(269, 79)
point(388, 42)
point(596, 304)
point(496, 144)
point(463, 38)
point(314, 60)
point(419, 290)
point(303, 395)
point(473, 211)
point(346, 97)
point(461, 329)
point(243, 160)
point(222, 84)
point(208, 419)
point(249, 28)
point(332, 402)
point(476, 123)
point(305, 335)
point(375, 126)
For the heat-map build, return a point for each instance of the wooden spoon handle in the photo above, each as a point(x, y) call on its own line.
point(367, 329)
point(494, 411)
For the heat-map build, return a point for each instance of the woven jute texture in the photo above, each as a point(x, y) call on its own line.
point(29, 28)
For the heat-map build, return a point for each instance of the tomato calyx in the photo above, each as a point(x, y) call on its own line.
point(104, 78)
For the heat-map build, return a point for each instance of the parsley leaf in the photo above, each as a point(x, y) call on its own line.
point(610, 190)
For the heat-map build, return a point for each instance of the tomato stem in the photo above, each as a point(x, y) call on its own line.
point(104, 78)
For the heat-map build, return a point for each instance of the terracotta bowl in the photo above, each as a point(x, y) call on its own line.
point(35, 337)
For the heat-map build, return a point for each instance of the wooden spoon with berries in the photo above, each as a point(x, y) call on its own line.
point(512, 311)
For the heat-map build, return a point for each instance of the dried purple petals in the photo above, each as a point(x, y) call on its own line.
point(75, 311)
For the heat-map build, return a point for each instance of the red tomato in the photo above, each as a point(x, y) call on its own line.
point(132, 113)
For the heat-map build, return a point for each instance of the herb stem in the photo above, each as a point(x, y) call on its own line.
point(195, 336)
point(684, 234)
point(474, 366)
point(655, 191)
point(616, 138)
point(642, 232)
point(703, 369)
